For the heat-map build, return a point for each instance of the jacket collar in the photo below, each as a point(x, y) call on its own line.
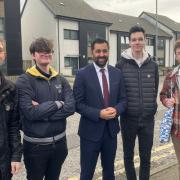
point(34, 72)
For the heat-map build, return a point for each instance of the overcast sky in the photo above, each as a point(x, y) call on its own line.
point(170, 8)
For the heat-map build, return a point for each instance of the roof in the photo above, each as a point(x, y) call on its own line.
point(75, 9)
point(123, 23)
point(171, 24)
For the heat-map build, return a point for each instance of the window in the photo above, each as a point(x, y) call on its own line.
point(178, 35)
point(91, 36)
point(1, 24)
point(161, 43)
point(67, 61)
point(149, 41)
point(70, 34)
point(2, 28)
point(124, 40)
point(72, 62)
point(161, 51)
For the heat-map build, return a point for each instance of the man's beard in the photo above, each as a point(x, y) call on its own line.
point(99, 62)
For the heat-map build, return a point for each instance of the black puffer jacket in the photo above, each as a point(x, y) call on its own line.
point(141, 87)
point(10, 143)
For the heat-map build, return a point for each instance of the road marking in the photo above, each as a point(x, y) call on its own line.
point(154, 150)
point(153, 159)
point(73, 178)
point(119, 164)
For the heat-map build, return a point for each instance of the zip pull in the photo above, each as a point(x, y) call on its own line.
point(54, 144)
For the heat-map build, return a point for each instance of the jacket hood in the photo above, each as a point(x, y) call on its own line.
point(127, 54)
point(34, 72)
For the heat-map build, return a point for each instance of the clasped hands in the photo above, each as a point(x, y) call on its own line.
point(108, 113)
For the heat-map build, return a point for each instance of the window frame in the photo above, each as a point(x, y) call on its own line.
point(70, 34)
point(2, 31)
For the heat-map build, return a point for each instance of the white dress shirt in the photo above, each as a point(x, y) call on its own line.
point(99, 75)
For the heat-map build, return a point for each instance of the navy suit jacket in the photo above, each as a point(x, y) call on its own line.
point(89, 101)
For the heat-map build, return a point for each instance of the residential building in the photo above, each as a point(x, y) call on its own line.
point(73, 25)
point(165, 47)
point(119, 34)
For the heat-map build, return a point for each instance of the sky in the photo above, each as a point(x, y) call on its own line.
point(169, 8)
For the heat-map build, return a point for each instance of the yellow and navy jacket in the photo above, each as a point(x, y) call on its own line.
point(44, 119)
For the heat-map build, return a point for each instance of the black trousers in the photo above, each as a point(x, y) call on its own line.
point(144, 132)
point(44, 161)
point(5, 170)
point(89, 155)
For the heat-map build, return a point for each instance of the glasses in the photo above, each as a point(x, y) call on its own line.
point(45, 54)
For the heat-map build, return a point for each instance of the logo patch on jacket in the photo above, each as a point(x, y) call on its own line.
point(59, 88)
point(7, 107)
point(148, 76)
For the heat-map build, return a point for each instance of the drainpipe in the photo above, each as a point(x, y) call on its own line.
point(23, 7)
point(156, 45)
point(58, 44)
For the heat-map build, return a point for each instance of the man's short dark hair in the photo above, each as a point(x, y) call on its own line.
point(135, 29)
point(99, 41)
point(41, 45)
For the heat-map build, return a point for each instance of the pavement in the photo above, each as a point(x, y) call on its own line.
point(166, 172)
point(163, 161)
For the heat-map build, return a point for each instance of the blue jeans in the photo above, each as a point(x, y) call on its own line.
point(144, 132)
point(44, 161)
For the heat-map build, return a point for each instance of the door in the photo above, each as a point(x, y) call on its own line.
point(88, 32)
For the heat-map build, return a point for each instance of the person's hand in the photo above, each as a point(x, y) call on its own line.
point(34, 103)
point(15, 167)
point(108, 113)
point(112, 110)
point(169, 102)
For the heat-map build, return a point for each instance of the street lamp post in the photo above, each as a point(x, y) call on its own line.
point(156, 44)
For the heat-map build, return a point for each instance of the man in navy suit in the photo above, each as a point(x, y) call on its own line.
point(100, 98)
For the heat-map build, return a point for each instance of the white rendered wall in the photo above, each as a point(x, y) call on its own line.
point(167, 53)
point(38, 21)
point(113, 49)
point(67, 47)
point(172, 59)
